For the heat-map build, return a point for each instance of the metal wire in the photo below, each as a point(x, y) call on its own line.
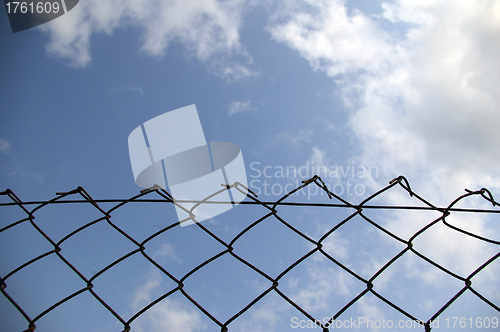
point(271, 207)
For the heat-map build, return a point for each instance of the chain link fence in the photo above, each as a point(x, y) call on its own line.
point(158, 195)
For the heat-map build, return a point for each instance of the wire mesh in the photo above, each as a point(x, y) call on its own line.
point(272, 213)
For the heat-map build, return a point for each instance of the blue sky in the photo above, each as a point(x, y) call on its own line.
point(404, 87)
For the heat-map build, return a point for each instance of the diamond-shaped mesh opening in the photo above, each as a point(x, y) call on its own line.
point(48, 280)
point(320, 287)
point(9, 242)
point(472, 253)
point(417, 286)
point(95, 247)
point(272, 254)
point(229, 277)
point(181, 249)
point(350, 246)
point(132, 284)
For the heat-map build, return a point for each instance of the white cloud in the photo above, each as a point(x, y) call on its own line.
point(5, 146)
point(209, 29)
point(331, 40)
point(424, 104)
point(422, 83)
point(240, 107)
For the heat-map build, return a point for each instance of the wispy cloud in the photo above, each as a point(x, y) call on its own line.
point(32, 175)
point(125, 89)
point(5, 146)
point(295, 139)
point(16, 170)
point(237, 107)
point(167, 251)
point(209, 30)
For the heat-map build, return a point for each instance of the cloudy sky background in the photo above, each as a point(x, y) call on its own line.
point(409, 87)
